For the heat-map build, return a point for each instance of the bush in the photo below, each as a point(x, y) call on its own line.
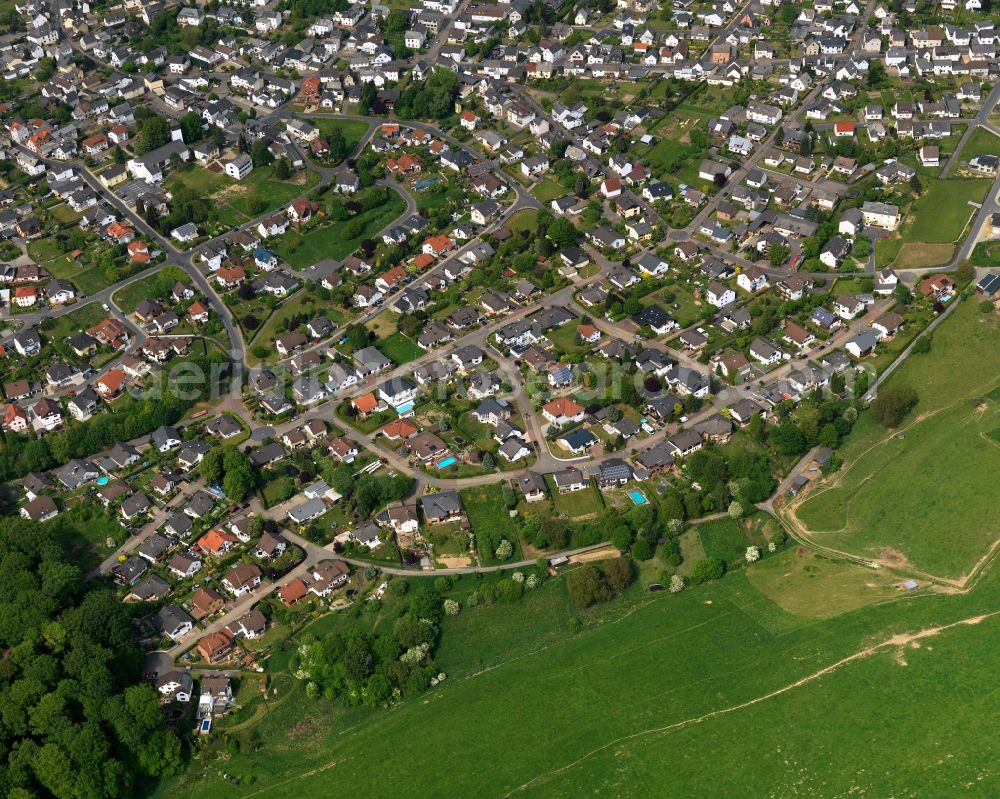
point(586, 586)
point(707, 569)
point(641, 549)
point(618, 573)
point(892, 404)
point(670, 553)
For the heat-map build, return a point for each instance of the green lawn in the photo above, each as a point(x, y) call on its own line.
point(44, 249)
point(886, 251)
point(727, 539)
point(300, 249)
point(352, 130)
point(72, 323)
point(926, 496)
point(154, 287)
point(399, 349)
point(942, 211)
point(564, 339)
point(585, 503)
point(980, 142)
point(526, 219)
point(490, 521)
point(653, 696)
point(303, 301)
point(548, 190)
point(201, 181)
point(261, 183)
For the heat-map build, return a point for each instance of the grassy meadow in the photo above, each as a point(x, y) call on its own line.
point(723, 690)
point(922, 495)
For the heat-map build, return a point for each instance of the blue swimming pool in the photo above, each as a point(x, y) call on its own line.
point(444, 464)
point(637, 497)
point(103, 481)
point(404, 408)
point(945, 297)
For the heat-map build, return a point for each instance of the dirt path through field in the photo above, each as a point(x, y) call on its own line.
point(899, 641)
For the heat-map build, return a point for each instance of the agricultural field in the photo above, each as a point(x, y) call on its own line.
point(920, 498)
point(748, 678)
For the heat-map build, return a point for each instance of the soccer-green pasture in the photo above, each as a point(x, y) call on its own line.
point(922, 495)
point(722, 690)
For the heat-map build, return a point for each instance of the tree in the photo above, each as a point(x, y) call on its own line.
point(787, 439)
point(154, 132)
point(211, 467)
point(586, 586)
point(239, 474)
point(192, 128)
point(282, 169)
point(892, 404)
point(618, 573)
point(707, 569)
point(260, 154)
point(562, 232)
point(735, 510)
point(504, 550)
point(676, 584)
point(777, 254)
point(641, 549)
point(75, 720)
point(915, 185)
point(752, 554)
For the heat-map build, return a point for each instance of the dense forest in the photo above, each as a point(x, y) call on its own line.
point(74, 722)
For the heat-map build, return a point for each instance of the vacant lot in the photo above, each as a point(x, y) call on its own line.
point(237, 202)
point(981, 142)
point(351, 129)
point(83, 317)
point(578, 504)
point(399, 349)
point(922, 496)
point(942, 211)
point(301, 249)
point(916, 256)
point(490, 521)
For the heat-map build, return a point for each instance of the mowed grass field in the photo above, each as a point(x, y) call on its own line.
point(923, 495)
point(942, 211)
point(717, 691)
point(981, 142)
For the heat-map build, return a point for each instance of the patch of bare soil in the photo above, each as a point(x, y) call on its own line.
point(596, 554)
point(456, 562)
point(892, 558)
